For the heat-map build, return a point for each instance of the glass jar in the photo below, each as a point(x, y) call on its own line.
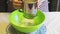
point(30, 7)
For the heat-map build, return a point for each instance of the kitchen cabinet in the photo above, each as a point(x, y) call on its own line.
point(54, 5)
point(3, 5)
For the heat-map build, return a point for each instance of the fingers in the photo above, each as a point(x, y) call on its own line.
point(16, 1)
point(15, 4)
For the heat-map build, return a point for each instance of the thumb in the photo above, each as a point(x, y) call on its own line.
point(15, 0)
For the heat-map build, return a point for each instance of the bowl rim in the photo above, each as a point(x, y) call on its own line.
point(27, 26)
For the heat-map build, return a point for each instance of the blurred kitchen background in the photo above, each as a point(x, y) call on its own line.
point(53, 5)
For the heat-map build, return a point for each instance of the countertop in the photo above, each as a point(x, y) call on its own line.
point(52, 22)
point(3, 22)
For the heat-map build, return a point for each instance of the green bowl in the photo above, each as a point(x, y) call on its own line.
point(16, 17)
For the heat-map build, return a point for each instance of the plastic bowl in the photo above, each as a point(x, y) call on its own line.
point(16, 17)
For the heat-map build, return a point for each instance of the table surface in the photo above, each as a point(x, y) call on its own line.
point(52, 22)
point(3, 22)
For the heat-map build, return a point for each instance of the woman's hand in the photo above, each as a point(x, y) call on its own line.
point(17, 4)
